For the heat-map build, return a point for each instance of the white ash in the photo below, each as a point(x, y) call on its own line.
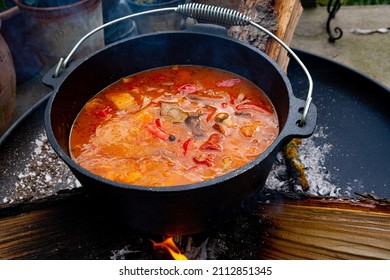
point(279, 178)
point(44, 174)
point(122, 253)
point(313, 157)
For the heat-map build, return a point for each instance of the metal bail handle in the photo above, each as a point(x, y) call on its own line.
point(208, 13)
point(231, 17)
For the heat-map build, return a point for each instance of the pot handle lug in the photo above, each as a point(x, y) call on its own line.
point(296, 129)
point(52, 80)
point(292, 128)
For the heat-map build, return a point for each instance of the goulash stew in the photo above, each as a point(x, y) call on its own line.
point(172, 126)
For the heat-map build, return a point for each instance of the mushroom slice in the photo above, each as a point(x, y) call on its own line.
point(194, 123)
point(173, 111)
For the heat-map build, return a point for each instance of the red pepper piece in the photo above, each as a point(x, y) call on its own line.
point(103, 112)
point(211, 114)
point(188, 89)
point(208, 160)
point(158, 123)
point(157, 131)
point(186, 144)
point(209, 110)
point(192, 168)
point(228, 83)
point(231, 99)
point(212, 143)
point(253, 107)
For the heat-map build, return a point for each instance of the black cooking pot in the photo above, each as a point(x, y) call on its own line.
point(185, 209)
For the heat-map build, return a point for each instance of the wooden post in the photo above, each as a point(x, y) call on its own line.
point(289, 12)
point(279, 17)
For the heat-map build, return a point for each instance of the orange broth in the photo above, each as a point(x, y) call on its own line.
point(172, 126)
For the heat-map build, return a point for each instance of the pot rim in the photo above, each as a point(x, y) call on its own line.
point(284, 133)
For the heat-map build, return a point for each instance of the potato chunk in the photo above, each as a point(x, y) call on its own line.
point(122, 100)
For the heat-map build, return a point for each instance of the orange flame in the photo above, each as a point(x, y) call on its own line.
point(171, 247)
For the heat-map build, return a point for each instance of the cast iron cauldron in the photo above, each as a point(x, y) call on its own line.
point(187, 209)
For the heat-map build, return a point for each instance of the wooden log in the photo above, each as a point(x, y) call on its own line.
point(326, 228)
point(289, 12)
point(261, 12)
point(65, 226)
point(280, 17)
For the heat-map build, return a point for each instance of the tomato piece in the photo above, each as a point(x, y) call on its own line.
point(212, 143)
point(188, 89)
point(157, 131)
point(228, 83)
